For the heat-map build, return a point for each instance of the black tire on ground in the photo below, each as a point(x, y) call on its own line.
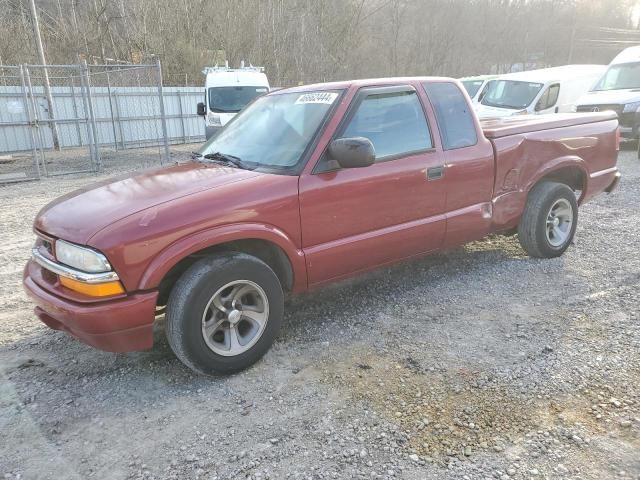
point(532, 230)
point(190, 297)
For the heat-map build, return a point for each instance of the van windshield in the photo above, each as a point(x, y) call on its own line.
point(472, 86)
point(619, 77)
point(511, 94)
point(232, 99)
point(273, 133)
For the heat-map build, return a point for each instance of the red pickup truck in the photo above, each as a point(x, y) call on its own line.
point(306, 186)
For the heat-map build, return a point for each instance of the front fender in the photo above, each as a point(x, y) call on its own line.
point(195, 242)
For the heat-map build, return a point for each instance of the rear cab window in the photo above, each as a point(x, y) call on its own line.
point(456, 122)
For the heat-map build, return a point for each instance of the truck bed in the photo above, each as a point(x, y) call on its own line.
point(579, 149)
point(518, 124)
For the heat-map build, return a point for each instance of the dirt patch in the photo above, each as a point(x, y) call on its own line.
point(447, 414)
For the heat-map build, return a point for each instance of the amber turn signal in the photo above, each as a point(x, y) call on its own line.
point(93, 289)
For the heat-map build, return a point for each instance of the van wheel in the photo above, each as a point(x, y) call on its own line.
point(549, 221)
point(224, 313)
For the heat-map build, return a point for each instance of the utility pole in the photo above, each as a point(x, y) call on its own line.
point(47, 86)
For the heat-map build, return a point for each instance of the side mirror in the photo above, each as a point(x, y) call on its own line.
point(353, 152)
point(202, 109)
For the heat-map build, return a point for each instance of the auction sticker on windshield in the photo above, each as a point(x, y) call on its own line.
point(318, 97)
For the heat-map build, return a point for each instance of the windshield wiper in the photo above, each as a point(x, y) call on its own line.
point(227, 160)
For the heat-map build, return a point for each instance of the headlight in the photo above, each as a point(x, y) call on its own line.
point(214, 120)
point(631, 107)
point(82, 258)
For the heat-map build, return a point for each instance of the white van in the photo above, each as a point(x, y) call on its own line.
point(547, 90)
point(618, 90)
point(476, 86)
point(227, 91)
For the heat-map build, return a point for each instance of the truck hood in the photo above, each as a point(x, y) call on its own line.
point(82, 213)
point(613, 97)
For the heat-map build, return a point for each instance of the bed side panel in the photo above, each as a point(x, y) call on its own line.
point(523, 159)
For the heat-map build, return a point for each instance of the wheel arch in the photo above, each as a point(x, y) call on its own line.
point(267, 243)
point(571, 171)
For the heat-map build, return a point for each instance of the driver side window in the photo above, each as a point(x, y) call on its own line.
point(393, 122)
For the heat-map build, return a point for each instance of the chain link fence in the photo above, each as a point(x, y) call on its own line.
point(63, 119)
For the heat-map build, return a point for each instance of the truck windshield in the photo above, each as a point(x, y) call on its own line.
point(472, 86)
point(619, 77)
point(273, 132)
point(232, 99)
point(511, 94)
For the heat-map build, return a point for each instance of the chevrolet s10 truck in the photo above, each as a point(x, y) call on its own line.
point(306, 186)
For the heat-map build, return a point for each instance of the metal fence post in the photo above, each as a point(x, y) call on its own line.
point(34, 152)
point(36, 122)
point(113, 122)
point(75, 111)
point(117, 105)
point(85, 111)
point(92, 118)
point(184, 131)
point(163, 117)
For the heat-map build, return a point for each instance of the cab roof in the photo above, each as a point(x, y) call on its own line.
point(367, 82)
point(628, 55)
point(245, 78)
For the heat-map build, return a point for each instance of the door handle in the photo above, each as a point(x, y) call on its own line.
point(435, 173)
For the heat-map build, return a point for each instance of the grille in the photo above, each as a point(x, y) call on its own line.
point(601, 108)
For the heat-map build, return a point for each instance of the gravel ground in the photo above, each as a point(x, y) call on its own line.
point(478, 363)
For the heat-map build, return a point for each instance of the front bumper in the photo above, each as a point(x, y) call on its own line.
point(629, 133)
point(120, 324)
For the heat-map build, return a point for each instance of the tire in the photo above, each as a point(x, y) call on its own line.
point(538, 237)
point(200, 302)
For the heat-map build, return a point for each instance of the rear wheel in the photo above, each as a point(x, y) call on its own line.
point(224, 313)
point(549, 221)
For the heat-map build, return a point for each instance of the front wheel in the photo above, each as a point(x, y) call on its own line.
point(549, 221)
point(224, 313)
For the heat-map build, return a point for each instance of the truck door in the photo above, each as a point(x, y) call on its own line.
point(358, 218)
point(469, 158)
point(547, 103)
